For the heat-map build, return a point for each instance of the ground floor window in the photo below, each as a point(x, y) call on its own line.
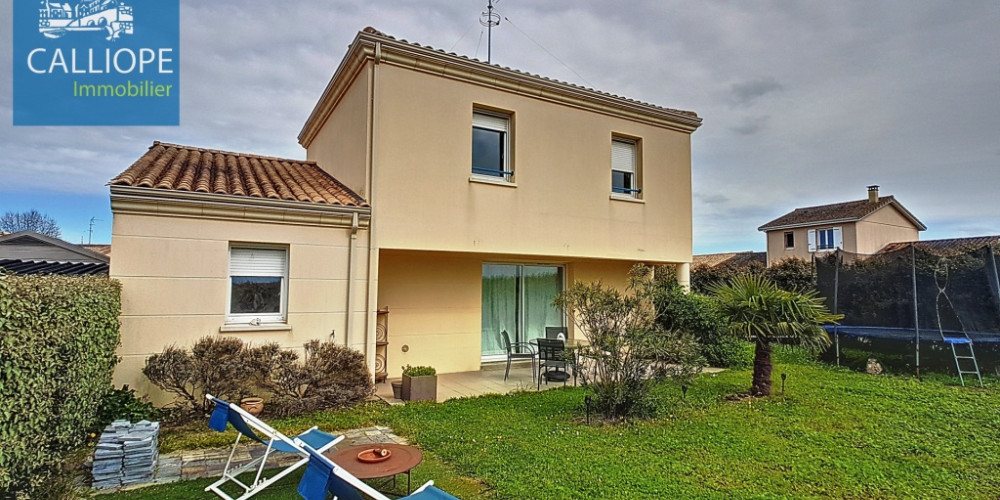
point(258, 285)
point(518, 298)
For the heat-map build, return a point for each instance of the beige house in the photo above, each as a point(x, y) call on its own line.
point(471, 195)
point(861, 226)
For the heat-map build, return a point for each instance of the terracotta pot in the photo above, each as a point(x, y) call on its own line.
point(397, 389)
point(253, 406)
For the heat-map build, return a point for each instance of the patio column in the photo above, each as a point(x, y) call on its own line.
point(684, 275)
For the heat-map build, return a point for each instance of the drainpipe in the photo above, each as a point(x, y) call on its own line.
point(371, 305)
point(350, 279)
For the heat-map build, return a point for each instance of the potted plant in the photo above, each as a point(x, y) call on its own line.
point(419, 383)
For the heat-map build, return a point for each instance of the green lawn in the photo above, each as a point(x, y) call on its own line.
point(833, 434)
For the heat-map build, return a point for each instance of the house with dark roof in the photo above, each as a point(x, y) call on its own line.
point(28, 252)
point(859, 226)
point(447, 197)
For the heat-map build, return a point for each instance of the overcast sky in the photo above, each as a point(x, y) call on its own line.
point(804, 102)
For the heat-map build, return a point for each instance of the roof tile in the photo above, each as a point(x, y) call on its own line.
point(186, 168)
point(945, 247)
point(846, 211)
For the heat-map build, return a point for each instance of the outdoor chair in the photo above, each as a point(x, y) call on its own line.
point(556, 332)
point(252, 428)
point(323, 475)
point(518, 350)
point(552, 361)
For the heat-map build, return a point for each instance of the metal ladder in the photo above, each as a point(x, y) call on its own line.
point(941, 280)
point(953, 341)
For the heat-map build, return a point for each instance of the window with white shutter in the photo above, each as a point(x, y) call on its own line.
point(825, 240)
point(258, 285)
point(491, 145)
point(624, 167)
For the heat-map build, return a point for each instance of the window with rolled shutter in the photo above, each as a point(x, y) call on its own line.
point(258, 285)
point(491, 145)
point(624, 178)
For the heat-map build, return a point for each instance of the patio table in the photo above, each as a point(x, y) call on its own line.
point(402, 460)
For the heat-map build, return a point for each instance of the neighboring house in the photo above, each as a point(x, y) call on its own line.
point(28, 252)
point(862, 226)
point(471, 195)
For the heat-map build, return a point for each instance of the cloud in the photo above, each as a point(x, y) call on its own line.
point(751, 125)
point(747, 93)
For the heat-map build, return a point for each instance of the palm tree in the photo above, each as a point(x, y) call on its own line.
point(759, 311)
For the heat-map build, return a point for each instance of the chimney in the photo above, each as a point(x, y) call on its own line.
point(873, 193)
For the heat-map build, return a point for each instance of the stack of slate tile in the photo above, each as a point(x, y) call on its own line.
point(126, 454)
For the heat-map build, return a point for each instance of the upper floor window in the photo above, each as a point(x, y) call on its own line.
point(624, 167)
point(789, 240)
point(491, 145)
point(258, 285)
point(825, 239)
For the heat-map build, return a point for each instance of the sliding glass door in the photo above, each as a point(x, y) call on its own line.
point(517, 298)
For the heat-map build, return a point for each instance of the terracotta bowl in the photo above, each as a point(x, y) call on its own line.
point(253, 406)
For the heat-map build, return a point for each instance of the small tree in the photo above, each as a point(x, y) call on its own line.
point(626, 346)
point(32, 220)
point(757, 310)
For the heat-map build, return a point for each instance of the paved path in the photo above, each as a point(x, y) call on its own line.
point(186, 464)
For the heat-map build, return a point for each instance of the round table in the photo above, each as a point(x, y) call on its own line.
point(402, 460)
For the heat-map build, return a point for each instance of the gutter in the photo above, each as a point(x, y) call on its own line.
point(230, 202)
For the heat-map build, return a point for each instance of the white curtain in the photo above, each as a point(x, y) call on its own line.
point(499, 306)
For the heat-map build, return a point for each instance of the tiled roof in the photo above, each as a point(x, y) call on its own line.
point(185, 168)
point(952, 246)
point(738, 259)
point(372, 31)
point(840, 212)
point(18, 266)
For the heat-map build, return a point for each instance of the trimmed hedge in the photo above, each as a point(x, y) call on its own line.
point(58, 336)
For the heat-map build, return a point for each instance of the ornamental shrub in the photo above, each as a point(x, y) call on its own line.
point(58, 336)
point(220, 366)
point(627, 345)
point(330, 375)
point(697, 315)
point(418, 371)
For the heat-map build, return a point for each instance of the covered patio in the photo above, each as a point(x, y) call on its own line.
point(487, 380)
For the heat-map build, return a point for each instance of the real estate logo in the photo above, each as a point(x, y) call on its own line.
point(96, 62)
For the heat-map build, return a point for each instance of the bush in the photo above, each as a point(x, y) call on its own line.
point(697, 315)
point(793, 274)
point(124, 404)
point(58, 336)
point(331, 376)
point(220, 366)
point(626, 344)
point(790, 274)
point(418, 371)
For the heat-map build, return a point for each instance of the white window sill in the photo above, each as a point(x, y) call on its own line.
point(487, 179)
point(625, 197)
point(266, 327)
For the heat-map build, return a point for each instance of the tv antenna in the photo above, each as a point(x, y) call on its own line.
point(90, 231)
point(489, 19)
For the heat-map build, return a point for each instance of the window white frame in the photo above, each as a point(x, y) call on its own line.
point(257, 261)
point(789, 236)
point(492, 121)
point(625, 166)
point(827, 239)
